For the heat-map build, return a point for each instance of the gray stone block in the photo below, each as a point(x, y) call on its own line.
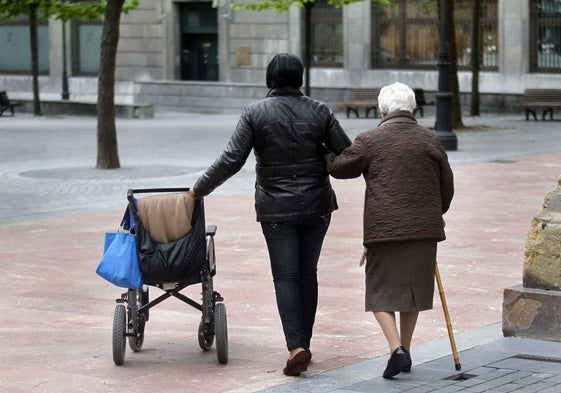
point(532, 313)
point(542, 257)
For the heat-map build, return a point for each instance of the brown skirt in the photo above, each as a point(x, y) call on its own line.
point(400, 276)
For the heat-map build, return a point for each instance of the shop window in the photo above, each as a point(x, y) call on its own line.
point(406, 34)
point(327, 35)
point(545, 36)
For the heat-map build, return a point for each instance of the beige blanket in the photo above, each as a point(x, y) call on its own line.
point(166, 217)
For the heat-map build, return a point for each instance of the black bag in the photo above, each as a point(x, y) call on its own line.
point(178, 261)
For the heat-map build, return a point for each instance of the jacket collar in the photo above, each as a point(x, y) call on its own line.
point(284, 91)
point(398, 117)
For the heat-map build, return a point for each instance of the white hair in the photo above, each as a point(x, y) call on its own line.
point(396, 97)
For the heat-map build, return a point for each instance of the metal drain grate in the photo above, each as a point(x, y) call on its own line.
point(537, 358)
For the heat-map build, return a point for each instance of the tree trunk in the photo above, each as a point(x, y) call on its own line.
point(475, 40)
point(454, 85)
point(107, 151)
point(34, 57)
point(308, 44)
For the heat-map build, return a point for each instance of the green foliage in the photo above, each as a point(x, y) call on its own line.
point(59, 9)
point(284, 5)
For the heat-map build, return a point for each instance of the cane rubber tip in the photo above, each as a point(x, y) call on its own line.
point(458, 366)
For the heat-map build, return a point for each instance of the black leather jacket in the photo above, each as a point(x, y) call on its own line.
point(289, 134)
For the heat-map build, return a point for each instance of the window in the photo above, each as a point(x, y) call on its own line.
point(406, 34)
point(327, 35)
point(545, 36)
point(15, 46)
point(86, 43)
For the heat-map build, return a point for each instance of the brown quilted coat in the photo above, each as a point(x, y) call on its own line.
point(409, 182)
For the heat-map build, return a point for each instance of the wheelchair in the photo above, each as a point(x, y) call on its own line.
point(171, 267)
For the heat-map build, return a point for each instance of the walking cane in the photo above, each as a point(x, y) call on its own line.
point(446, 314)
point(447, 317)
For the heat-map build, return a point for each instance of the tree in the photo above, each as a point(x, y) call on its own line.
point(475, 46)
point(453, 54)
point(107, 149)
point(34, 57)
point(107, 152)
point(283, 6)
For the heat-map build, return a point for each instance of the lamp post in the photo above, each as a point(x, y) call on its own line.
point(443, 126)
point(65, 93)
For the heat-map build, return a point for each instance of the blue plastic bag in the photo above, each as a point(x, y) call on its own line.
point(119, 263)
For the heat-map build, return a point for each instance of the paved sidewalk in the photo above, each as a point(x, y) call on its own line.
point(489, 363)
point(56, 314)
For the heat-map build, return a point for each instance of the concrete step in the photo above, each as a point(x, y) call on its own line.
point(86, 108)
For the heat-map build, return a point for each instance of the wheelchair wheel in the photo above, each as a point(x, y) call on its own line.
point(205, 341)
point(119, 334)
point(221, 332)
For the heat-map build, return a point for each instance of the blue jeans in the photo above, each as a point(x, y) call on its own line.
point(294, 249)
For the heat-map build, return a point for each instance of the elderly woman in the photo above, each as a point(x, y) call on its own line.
point(409, 186)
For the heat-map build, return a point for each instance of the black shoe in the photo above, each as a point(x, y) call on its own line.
point(399, 361)
point(407, 369)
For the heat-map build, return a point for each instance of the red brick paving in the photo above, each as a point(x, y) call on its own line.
point(56, 313)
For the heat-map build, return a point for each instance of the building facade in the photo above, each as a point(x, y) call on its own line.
point(206, 56)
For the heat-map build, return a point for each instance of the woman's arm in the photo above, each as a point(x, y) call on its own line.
point(336, 140)
point(350, 163)
point(230, 161)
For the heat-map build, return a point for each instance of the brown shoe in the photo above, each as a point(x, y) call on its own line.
point(298, 364)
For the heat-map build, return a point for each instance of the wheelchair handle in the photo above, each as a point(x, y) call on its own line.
point(131, 191)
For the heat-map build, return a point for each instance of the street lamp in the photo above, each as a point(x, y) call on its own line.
point(443, 125)
point(65, 93)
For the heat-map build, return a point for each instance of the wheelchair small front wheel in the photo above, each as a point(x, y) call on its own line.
point(205, 340)
point(136, 342)
point(137, 320)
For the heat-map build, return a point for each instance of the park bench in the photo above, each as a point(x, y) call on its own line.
point(421, 101)
point(354, 99)
point(5, 103)
point(536, 99)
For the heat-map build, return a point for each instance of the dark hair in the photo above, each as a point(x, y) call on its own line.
point(285, 70)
